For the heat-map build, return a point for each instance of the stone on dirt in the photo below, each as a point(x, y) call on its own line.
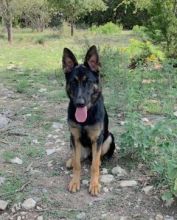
point(40, 217)
point(3, 205)
point(159, 217)
point(85, 182)
point(57, 125)
point(16, 160)
point(2, 180)
point(50, 151)
point(128, 183)
point(104, 171)
point(29, 204)
point(167, 217)
point(3, 121)
point(81, 215)
point(107, 178)
point(147, 189)
point(119, 171)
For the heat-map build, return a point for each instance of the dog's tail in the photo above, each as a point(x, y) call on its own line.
point(108, 146)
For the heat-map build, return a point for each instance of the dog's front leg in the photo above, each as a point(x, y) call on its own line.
point(74, 185)
point(94, 188)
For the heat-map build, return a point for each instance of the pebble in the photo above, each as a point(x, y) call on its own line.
point(167, 217)
point(147, 189)
point(19, 218)
point(42, 90)
point(128, 183)
point(124, 218)
point(16, 160)
point(50, 151)
point(29, 204)
point(3, 121)
point(104, 171)
point(81, 215)
point(85, 182)
point(3, 205)
point(57, 125)
point(119, 171)
point(40, 217)
point(175, 113)
point(159, 217)
point(105, 189)
point(107, 178)
point(2, 180)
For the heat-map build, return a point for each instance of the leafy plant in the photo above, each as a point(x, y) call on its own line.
point(108, 28)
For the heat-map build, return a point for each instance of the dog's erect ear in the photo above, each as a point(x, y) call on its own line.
point(69, 60)
point(92, 59)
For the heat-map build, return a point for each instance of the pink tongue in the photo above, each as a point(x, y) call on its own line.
point(81, 114)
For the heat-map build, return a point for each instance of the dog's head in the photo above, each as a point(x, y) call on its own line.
point(82, 81)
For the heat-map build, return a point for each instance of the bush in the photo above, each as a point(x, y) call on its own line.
point(140, 32)
point(108, 28)
point(40, 40)
point(144, 52)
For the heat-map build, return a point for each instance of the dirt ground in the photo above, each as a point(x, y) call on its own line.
point(36, 125)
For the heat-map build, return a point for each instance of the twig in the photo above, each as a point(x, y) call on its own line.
point(4, 142)
point(17, 190)
point(16, 134)
point(63, 209)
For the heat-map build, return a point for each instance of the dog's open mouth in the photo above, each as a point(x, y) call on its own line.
point(81, 114)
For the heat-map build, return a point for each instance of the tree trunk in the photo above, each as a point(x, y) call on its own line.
point(72, 28)
point(9, 30)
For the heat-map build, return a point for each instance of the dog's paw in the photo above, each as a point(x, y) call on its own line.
point(94, 188)
point(74, 185)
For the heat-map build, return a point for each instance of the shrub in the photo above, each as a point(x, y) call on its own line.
point(108, 28)
point(40, 40)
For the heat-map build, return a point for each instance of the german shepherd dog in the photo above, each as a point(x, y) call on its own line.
point(87, 117)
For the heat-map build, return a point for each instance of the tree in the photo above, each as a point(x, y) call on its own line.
point(162, 22)
point(8, 10)
point(72, 10)
point(36, 14)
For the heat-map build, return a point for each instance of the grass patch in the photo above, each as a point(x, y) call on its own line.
point(8, 155)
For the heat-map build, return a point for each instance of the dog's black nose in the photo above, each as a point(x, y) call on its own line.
point(80, 102)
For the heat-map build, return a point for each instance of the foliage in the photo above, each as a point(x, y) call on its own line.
point(117, 12)
point(36, 14)
point(162, 22)
point(108, 28)
point(144, 52)
point(72, 10)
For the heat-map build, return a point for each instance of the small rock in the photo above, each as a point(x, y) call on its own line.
point(147, 189)
point(122, 123)
point(175, 113)
point(19, 218)
point(85, 182)
point(29, 204)
point(128, 183)
point(159, 217)
point(50, 151)
point(3, 205)
point(57, 125)
point(2, 180)
point(167, 217)
point(81, 215)
point(16, 160)
point(49, 164)
point(42, 90)
point(124, 218)
point(35, 141)
point(104, 171)
point(23, 213)
point(107, 178)
point(119, 171)
point(105, 189)
point(3, 121)
point(169, 202)
point(40, 217)
point(145, 119)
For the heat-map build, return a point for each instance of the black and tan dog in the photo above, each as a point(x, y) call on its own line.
point(87, 117)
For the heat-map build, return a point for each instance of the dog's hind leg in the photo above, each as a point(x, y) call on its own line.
point(108, 146)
